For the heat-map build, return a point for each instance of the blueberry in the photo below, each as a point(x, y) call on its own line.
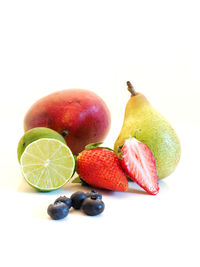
point(57, 211)
point(92, 207)
point(77, 199)
point(65, 200)
point(94, 195)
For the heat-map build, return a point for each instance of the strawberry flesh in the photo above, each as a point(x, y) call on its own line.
point(139, 164)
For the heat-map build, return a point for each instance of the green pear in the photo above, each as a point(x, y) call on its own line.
point(147, 125)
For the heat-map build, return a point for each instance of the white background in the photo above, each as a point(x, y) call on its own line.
point(47, 46)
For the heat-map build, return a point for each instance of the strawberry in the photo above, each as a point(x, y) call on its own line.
point(100, 167)
point(139, 164)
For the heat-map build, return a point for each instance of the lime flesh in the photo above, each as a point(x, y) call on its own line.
point(47, 164)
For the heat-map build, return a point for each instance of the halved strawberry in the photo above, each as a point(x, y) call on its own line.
point(139, 164)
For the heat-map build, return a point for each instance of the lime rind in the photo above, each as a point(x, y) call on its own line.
point(47, 164)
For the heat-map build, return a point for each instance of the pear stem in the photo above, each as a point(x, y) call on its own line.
point(131, 88)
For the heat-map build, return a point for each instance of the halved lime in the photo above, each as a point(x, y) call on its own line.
point(47, 164)
point(35, 134)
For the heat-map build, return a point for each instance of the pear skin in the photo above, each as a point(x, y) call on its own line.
point(147, 125)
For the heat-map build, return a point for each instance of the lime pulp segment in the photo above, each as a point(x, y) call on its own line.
point(47, 164)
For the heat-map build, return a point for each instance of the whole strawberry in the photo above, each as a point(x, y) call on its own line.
point(100, 167)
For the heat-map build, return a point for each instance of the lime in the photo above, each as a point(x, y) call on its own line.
point(47, 164)
point(35, 134)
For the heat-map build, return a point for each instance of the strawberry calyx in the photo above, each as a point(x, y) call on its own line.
point(79, 180)
point(97, 145)
point(120, 152)
point(93, 145)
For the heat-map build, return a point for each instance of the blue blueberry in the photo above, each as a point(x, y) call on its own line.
point(64, 199)
point(77, 199)
point(94, 195)
point(92, 207)
point(58, 210)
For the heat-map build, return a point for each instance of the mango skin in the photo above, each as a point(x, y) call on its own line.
point(147, 125)
point(79, 115)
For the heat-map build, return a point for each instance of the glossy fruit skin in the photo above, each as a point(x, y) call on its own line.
point(67, 201)
point(58, 211)
point(147, 125)
point(79, 115)
point(77, 199)
point(94, 195)
point(92, 207)
point(100, 167)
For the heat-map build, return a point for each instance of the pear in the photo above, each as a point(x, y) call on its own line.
point(147, 125)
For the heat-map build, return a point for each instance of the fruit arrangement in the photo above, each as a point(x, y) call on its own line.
point(64, 132)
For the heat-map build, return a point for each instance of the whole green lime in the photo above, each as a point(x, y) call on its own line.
point(35, 134)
